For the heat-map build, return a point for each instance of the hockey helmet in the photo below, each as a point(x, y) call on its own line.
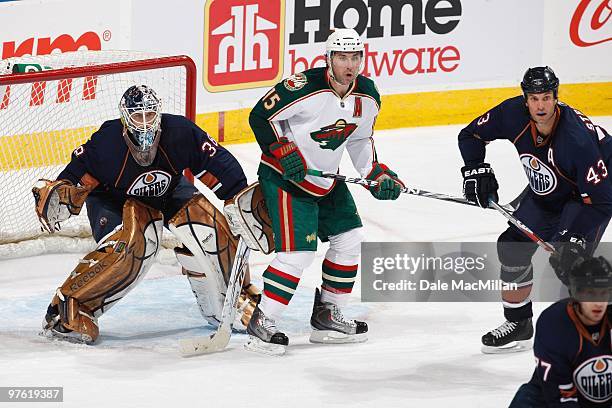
point(344, 40)
point(590, 280)
point(540, 80)
point(140, 110)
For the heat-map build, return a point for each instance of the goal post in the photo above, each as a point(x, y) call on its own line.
point(50, 105)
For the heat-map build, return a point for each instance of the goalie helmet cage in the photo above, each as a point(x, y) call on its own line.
point(50, 105)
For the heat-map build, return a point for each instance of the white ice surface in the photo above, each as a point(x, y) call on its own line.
point(418, 354)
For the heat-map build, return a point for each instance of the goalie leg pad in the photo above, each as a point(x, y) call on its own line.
point(105, 275)
point(209, 253)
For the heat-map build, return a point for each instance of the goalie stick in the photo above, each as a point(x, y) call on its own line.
point(220, 339)
point(406, 190)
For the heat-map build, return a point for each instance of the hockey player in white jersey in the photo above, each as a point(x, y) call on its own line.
point(306, 122)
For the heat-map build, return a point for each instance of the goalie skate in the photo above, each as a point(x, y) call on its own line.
point(329, 325)
point(510, 337)
point(53, 329)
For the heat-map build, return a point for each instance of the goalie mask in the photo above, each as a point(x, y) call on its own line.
point(140, 110)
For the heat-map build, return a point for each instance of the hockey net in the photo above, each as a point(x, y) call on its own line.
point(51, 104)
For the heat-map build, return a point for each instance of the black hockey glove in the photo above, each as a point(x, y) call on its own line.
point(571, 251)
point(479, 184)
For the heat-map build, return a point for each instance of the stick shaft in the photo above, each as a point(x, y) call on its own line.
point(405, 190)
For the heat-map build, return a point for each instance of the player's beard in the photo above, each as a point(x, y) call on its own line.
point(343, 79)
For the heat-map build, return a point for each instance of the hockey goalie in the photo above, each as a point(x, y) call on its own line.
point(130, 176)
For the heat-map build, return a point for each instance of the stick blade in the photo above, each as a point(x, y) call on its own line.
point(205, 344)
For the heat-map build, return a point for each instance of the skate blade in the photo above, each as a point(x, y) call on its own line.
point(71, 337)
point(336, 337)
point(512, 347)
point(259, 346)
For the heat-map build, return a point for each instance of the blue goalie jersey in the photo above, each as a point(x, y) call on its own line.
point(182, 145)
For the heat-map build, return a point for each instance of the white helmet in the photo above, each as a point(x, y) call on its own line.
point(345, 40)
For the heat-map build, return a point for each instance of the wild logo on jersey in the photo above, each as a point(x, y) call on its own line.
point(593, 378)
point(333, 136)
point(295, 82)
point(150, 184)
point(542, 178)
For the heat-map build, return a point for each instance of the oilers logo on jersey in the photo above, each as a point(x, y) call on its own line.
point(150, 184)
point(593, 378)
point(542, 179)
point(333, 136)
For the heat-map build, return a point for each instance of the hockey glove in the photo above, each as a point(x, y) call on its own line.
point(290, 158)
point(56, 201)
point(479, 184)
point(389, 186)
point(571, 251)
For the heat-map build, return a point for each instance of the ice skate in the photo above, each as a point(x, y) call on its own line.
point(264, 336)
point(53, 328)
point(329, 325)
point(509, 337)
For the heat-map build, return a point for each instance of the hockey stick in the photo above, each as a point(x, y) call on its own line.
point(406, 190)
point(220, 339)
point(522, 227)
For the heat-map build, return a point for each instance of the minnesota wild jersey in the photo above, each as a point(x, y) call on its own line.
point(305, 109)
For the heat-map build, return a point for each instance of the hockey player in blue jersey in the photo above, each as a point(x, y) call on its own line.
point(130, 175)
point(566, 159)
point(572, 345)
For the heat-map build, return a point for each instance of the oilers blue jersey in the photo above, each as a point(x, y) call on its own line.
point(574, 361)
point(570, 164)
point(182, 145)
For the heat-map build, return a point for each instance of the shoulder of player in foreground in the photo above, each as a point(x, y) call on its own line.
point(555, 320)
point(367, 86)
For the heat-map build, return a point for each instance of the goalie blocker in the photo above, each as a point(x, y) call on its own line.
point(247, 216)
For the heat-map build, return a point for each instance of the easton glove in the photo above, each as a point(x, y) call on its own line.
point(571, 251)
point(479, 184)
point(290, 158)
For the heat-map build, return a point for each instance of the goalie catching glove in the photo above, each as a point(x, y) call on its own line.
point(389, 186)
point(56, 201)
